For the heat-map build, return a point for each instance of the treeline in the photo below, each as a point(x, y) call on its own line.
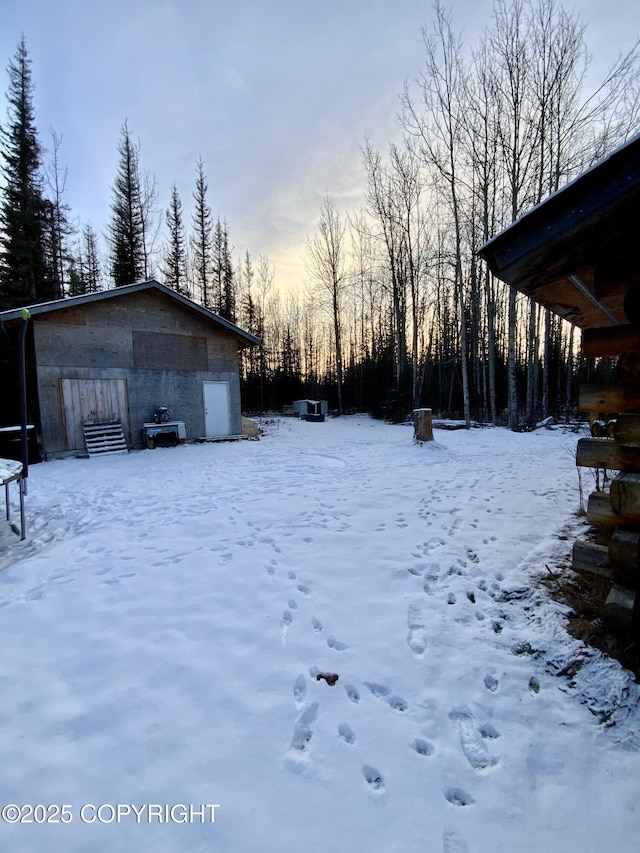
point(397, 310)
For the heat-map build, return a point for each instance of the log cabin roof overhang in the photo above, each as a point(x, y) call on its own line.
point(577, 251)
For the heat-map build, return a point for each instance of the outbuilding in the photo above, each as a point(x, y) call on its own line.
point(310, 410)
point(119, 355)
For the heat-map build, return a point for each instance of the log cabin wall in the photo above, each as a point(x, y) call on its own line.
point(616, 511)
point(575, 253)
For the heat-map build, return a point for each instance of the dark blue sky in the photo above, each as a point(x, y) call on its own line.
point(276, 96)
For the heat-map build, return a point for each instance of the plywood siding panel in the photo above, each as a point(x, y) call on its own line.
point(154, 351)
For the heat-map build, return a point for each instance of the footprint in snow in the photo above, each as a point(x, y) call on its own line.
point(316, 625)
point(451, 598)
point(352, 693)
point(293, 605)
point(345, 733)
point(488, 731)
point(452, 842)
point(491, 682)
point(386, 695)
point(304, 589)
point(417, 638)
point(287, 619)
point(303, 731)
point(337, 645)
point(373, 777)
point(271, 571)
point(299, 688)
point(458, 797)
point(423, 747)
point(292, 576)
point(473, 746)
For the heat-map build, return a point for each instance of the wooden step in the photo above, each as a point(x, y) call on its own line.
point(104, 438)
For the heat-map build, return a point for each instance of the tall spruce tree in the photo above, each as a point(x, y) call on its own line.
point(222, 269)
point(201, 241)
point(24, 271)
point(126, 229)
point(175, 259)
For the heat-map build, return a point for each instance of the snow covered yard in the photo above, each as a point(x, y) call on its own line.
point(163, 625)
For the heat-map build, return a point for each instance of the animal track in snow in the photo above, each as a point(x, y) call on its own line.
point(451, 598)
point(352, 693)
point(271, 571)
point(491, 682)
point(373, 777)
point(455, 527)
point(423, 747)
point(451, 841)
point(299, 688)
point(293, 605)
point(417, 639)
point(345, 733)
point(287, 619)
point(473, 747)
point(337, 645)
point(385, 694)
point(304, 589)
point(458, 797)
point(303, 731)
point(292, 576)
point(316, 625)
point(488, 731)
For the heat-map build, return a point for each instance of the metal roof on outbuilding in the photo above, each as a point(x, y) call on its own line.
point(244, 338)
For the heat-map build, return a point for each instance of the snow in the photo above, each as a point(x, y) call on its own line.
point(165, 620)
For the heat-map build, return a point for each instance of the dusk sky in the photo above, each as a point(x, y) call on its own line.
point(275, 96)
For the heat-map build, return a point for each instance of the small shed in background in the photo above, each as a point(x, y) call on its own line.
point(576, 253)
point(310, 410)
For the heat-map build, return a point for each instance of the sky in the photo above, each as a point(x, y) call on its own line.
point(276, 97)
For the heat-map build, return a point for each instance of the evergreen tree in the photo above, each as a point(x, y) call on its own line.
point(92, 267)
point(24, 276)
point(126, 229)
point(223, 279)
point(201, 240)
point(175, 260)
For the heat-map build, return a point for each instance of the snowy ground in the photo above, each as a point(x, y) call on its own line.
point(164, 622)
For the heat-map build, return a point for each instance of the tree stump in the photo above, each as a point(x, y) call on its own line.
point(422, 425)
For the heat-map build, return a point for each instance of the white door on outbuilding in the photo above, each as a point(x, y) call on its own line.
point(217, 413)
